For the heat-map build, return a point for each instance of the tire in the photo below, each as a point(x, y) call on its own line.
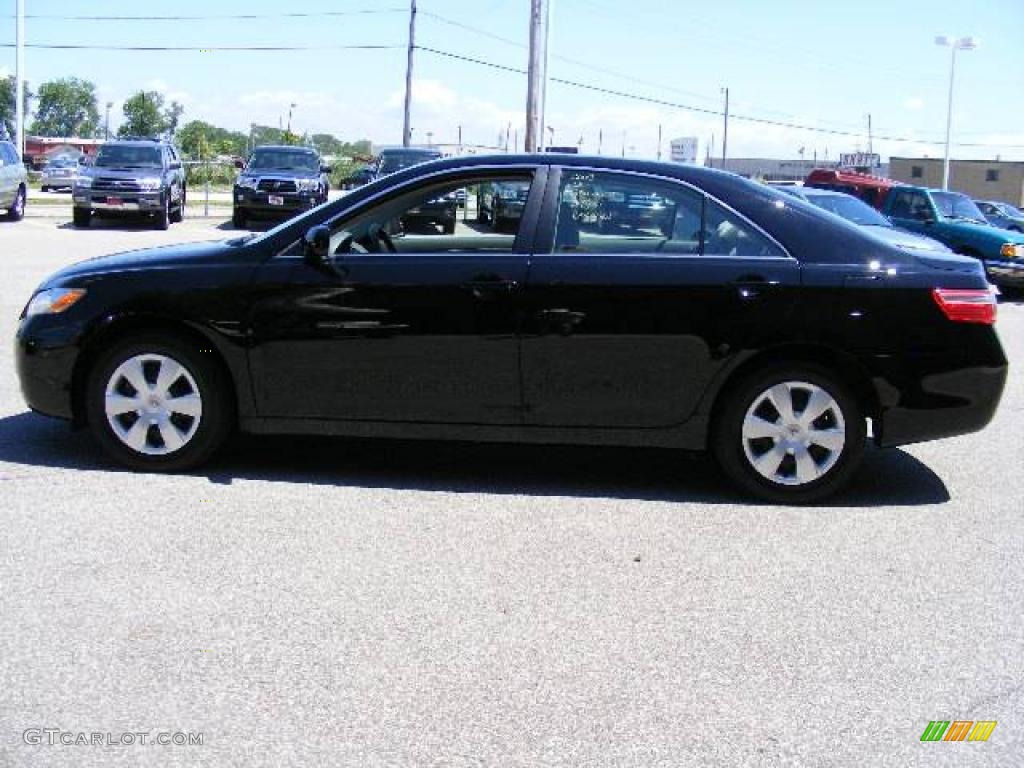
point(449, 227)
point(163, 218)
point(497, 223)
point(238, 218)
point(44, 189)
point(17, 210)
point(81, 217)
point(178, 215)
point(749, 428)
point(200, 389)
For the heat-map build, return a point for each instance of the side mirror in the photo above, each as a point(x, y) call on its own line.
point(316, 246)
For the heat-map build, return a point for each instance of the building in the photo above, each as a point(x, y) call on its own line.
point(39, 149)
point(981, 179)
point(769, 169)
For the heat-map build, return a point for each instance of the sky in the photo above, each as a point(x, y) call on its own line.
point(824, 64)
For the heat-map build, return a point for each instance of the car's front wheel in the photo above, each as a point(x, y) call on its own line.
point(17, 210)
point(238, 218)
point(81, 217)
point(158, 404)
point(163, 216)
point(791, 434)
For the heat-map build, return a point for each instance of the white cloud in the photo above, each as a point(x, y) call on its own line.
point(914, 103)
point(4, 73)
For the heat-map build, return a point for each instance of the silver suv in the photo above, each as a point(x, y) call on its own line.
point(13, 182)
point(132, 178)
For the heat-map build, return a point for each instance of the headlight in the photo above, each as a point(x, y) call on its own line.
point(307, 185)
point(1012, 251)
point(83, 181)
point(53, 301)
point(149, 185)
point(247, 182)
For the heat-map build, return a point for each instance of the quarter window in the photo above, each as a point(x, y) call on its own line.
point(615, 213)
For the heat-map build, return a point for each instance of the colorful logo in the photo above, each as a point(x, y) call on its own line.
point(958, 730)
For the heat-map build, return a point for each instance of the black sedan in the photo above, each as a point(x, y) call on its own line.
point(752, 324)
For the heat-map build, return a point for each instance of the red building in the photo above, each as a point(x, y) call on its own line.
point(39, 149)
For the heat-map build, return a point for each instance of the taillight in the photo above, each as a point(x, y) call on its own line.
point(966, 305)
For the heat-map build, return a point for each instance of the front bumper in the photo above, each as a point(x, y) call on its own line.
point(44, 359)
point(126, 202)
point(284, 203)
point(1005, 271)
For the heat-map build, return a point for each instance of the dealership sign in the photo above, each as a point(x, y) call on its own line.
point(860, 160)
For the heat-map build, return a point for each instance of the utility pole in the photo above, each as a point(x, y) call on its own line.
point(460, 140)
point(19, 88)
point(725, 128)
point(544, 76)
point(106, 125)
point(659, 142)
point(533, 77)
point(870, 150)
point(406, 130)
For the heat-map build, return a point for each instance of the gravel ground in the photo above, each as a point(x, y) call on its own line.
point(317, 602)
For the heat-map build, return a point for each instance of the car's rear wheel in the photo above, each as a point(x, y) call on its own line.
point(158, 404)
point(81, 217)
point(790, 434)
point(17, 210)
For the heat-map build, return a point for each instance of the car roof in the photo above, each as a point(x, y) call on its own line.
point(285, 147)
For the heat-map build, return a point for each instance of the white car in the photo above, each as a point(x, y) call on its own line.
point(60, 173)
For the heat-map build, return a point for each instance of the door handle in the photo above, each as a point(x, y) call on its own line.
point(751, 286)
point(560, 321)
point(488, 287)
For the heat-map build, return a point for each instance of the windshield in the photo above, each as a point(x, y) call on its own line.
point(955, 206)
point(850, 209)
point(283, 160)
point(390, 162)
point(119, 156)
point(1009, 210)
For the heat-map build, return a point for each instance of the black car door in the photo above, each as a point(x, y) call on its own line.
point(643, 288)
point(410, 324)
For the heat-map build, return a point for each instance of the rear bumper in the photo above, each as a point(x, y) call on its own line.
point(936, 404)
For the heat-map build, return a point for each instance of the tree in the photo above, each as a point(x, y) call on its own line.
point(7, 104)
point(144, 115)
point(202, 141)
point(326, 144)
point(66, 107)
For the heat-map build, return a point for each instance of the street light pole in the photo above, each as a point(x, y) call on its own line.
point(962, 44)
point(106, 125)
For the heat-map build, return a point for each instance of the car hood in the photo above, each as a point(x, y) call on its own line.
point(906, 240)
point(164, 257)
point(986, 231)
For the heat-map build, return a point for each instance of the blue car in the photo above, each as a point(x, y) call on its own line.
point(863, 215)
point(1002, 215)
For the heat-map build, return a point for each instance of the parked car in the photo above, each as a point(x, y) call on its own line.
point(1002, 215)
point(440, 211)
point(13, 182)
point(766, 333)
point(279, 181)
point(863, 215)
point(358, 178)
point(501, 204)
point(60, 173)
point(132, 178)
point(954, 219)
point(393, 159)
point(865, 186)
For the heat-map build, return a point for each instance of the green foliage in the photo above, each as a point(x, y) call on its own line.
point(199, 140)
point(67, 107)
point(145, 115)
point(7, 104)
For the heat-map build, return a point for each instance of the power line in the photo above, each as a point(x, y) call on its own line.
point(218, 16)
point(201, 49)
point(701, 110)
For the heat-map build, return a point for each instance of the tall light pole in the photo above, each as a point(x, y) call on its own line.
point(958, 44)
point(406, 127)
point(106, 125)
point(19, 76)
point(535, 76)
point(725, 127)
point(291, 106)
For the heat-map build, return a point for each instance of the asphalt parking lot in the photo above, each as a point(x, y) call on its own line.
point(316, 602)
